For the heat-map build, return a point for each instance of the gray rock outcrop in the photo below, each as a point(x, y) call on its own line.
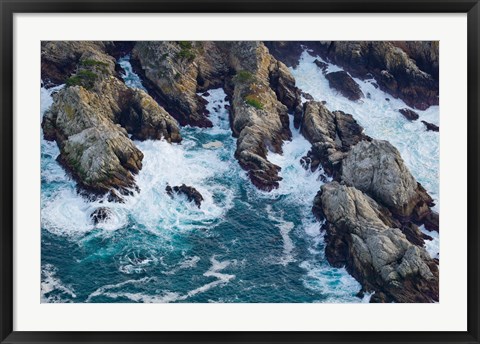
point(376, 168)
point(331, 134)
point(360, 235)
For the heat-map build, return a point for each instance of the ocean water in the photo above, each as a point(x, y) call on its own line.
point(242, 245)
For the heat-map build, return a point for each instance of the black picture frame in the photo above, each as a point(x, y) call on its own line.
point(10, 7)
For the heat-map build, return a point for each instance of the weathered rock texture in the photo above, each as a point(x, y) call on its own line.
point(377, 169)
point(409, 114)
point(361, 236)
point(91, 119)
point(344, 83)
point(176, 71)
point(59, 59)
point(263, 92)
point(331, 134)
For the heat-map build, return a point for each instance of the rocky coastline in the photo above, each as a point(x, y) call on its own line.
point(369, 205)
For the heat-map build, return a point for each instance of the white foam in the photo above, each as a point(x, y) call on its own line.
point(129, 76)
point(335, 284)
point(285, 228)
point(187, 263)
point(66, 213)
point(432, 246)
point(50, 282)
point(300, 185)
point(218, 114)
point(175, 164)
point(167, 296)
point(46, 99)
point(214, 271)
point(380, 118)
point(104, 289)
point(136, 261)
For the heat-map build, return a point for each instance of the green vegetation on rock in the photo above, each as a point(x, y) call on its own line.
point(252, 100)
point(244, 76)
point(83, 78)
point(186, 51)
point(91, 63)
point(185, 44)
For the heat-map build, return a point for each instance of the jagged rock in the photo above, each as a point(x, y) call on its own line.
point(307, 96)
point(262, 91)
point(414, 234)
point(286, 51)
point(192, 194)
point(60, 58)
point(360, 236)
point(174, 72)
point(318, 123)
point(331, 136)
point(86, 120)
point(100, 215)
point(283, 83)
point(409, 114)
point(344, 83)
point(431, 126)
point(348, 130)
point(432, 221)
point(322, 65)
point(424, 53)
point(413, 65)
point(97, 152)
point(146, 120)
point(377, 169)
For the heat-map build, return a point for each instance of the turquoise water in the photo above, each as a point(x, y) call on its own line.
point(242, 245)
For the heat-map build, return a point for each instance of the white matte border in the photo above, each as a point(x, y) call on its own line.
point(448, 315)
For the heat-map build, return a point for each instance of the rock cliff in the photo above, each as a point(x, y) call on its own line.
point(361, 236)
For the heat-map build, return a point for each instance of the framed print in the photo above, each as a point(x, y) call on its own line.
point(239, 172)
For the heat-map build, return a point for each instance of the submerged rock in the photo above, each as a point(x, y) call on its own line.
point(322, 65)
point(361, 236)
point(431, 126)
point(100, 215)
point(192, 194)
point(409, 114)
point(344, 83)
point(212, 145)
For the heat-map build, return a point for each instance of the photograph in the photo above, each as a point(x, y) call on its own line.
point(239, 171)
